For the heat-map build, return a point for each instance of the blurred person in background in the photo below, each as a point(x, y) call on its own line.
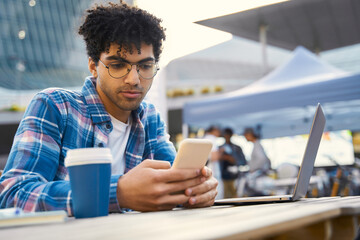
point(259, 162)
point(231, 156)
point(213, 133)
point(259, 165)
point(124, 46)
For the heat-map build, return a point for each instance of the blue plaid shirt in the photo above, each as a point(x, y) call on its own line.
point(57, 120)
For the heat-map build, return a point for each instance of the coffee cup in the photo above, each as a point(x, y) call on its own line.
point(90, 172)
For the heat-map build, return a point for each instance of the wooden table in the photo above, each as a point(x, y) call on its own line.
point(320, 218)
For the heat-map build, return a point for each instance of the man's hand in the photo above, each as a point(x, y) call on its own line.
point(153, 186)
point(203, 195)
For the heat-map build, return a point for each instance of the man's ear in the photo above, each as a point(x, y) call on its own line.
point(92, 67)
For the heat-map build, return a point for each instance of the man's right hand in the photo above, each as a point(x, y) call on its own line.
point(153, 185)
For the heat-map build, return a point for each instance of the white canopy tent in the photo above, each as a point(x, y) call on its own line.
point(283, 102)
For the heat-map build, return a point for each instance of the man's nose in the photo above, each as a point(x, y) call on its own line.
point(133, 77)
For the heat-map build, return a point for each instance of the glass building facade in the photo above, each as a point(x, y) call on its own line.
point(39, 44)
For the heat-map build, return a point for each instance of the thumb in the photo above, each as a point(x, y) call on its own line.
point(156, 164)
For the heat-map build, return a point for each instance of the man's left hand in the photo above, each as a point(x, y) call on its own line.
point(203, 195)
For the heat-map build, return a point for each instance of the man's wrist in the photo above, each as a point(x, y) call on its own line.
point(120, 195)
point(114, 205)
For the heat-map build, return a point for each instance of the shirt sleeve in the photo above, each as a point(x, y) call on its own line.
point(113, 202)
point(29, 180)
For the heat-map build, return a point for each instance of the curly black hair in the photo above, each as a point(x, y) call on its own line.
point(121, 24)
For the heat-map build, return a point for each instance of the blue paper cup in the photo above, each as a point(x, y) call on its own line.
point(90, 172)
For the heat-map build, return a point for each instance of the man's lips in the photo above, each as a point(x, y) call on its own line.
point(131, 94)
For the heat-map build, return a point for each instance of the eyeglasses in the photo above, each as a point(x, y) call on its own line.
point(146, 70)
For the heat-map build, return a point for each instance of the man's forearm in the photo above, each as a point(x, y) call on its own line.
point(31, 192)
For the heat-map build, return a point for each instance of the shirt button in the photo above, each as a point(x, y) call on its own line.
point(108, 126)
point(101, 145)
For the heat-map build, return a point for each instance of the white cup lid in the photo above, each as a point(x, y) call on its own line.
point(82, 156)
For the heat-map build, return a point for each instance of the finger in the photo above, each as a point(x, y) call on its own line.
point(204, 199)
point(202, 188)
point(170, 200)
point(207, 204)
point(181, 186)
point(175, 175)
point(206, 172)
point(157, 164)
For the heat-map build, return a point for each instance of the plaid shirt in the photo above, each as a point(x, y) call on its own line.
point(57, 120)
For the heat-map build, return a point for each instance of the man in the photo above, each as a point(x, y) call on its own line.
point(259, 162)
point(124, 44)
point(231, 157)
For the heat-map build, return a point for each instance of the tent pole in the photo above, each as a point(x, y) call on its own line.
point(185, 130)
point(262, 36)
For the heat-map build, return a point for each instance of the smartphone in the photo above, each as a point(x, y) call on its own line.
point(193, 153)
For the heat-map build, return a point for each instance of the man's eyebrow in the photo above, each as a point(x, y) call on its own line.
point(117, 58)
point(148, 59)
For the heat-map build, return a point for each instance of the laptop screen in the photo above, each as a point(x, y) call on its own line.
point(310, 153)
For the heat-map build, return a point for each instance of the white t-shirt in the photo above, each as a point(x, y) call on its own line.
point(118, 139)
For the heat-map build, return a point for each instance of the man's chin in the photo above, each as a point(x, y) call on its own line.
point(129, 107)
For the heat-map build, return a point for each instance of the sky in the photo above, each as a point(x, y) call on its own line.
point(183, 36)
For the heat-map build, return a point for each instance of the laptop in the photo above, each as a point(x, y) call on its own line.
point(304, 174)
